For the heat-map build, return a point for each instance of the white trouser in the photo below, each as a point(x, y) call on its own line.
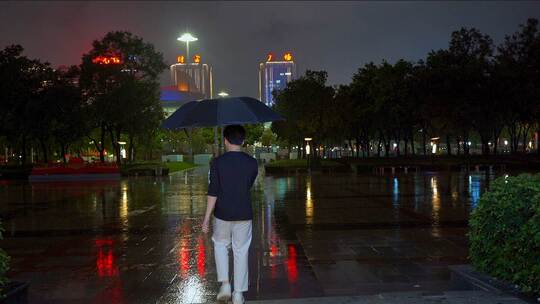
point(240, 234)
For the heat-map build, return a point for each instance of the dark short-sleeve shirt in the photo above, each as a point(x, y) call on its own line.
point(232, 175)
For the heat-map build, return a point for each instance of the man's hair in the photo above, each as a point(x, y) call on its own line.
point(235, 134)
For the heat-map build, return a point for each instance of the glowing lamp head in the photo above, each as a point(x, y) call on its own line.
point(223, 94)
point(181, 59)
point(187, 37)
point(287, 57)
point(197, 58)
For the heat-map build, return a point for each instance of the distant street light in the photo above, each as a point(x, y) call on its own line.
point(187, 38)
point(221, 94)
point(308, 152)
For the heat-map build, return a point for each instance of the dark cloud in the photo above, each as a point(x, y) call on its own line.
point(235, 36)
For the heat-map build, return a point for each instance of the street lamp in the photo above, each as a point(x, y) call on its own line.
point(221, 94)
point(187, 38)
point(308, 152)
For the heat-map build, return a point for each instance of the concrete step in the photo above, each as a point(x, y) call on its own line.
point(450, 297)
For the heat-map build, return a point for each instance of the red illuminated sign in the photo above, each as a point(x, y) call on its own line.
point(181, 59)
point(106, 60)
point(197, 58)
point(270, 57)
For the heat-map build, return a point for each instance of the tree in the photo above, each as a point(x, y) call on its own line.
point(21, 80)
point(115, 63)
point(253, 133)
point(268, 138)
point(458, 78)
point(304, 103)
point(61, 112)
point(518, 74)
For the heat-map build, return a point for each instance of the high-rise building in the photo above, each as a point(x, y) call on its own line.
point(190, 81)
point(274, 76)
point(192, 77)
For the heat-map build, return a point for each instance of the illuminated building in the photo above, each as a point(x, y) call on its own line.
point(274, 75)
point(190, 81)
point(192, 77)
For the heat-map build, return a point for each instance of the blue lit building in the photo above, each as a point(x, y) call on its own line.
point(172, 99)
point(274, 76)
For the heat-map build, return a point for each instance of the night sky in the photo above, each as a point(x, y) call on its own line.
point(234, 37)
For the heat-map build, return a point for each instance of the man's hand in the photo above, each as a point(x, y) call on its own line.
point(206, 225)
point(211, 203)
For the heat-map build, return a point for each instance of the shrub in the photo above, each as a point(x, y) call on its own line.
point(505, 231)
point(4, 266)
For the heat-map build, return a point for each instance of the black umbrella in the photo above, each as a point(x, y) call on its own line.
point(220, 112)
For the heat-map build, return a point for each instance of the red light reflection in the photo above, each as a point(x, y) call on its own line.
point(105, 259)
point(292, 270)
point(183, 257)
point(201, 257)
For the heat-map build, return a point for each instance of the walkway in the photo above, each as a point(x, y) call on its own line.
point(138, 240)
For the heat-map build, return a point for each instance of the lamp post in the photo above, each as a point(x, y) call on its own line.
point(221, 94)
point(308, 152)
point(187, 38)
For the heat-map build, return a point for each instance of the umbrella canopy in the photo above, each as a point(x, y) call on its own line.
point(220, 112)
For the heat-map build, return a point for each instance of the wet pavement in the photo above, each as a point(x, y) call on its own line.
point(138, 240)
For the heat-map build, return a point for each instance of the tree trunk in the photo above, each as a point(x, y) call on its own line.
point(538, 140)
point(23, 154)
point(458, 146)
point(131, 151)
point(525, 143)
point(100, 146)
point(44, 150)
point(466, 147)
point(63, 152)
point(424, 141)
point(448, 145)
point(405, 146)
point(413, 152)
point(115, 138)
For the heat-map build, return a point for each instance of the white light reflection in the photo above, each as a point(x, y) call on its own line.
point(191, 290)
point(309, 202)
point(474, 190)
point(395, 192)
point(124, 211)
point(436, 207)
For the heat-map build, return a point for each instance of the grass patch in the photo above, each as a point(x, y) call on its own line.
point(178, 166)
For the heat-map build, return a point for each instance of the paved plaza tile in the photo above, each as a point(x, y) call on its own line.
point(139, 240)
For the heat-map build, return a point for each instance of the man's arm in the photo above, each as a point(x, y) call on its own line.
point(210, 204)
point(213, 190)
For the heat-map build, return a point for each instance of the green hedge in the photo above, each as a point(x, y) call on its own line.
point(505, 231)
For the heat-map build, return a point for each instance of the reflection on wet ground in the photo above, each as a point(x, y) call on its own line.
point(138, 240)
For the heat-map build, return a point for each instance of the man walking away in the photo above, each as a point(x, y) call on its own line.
point(231, 177)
